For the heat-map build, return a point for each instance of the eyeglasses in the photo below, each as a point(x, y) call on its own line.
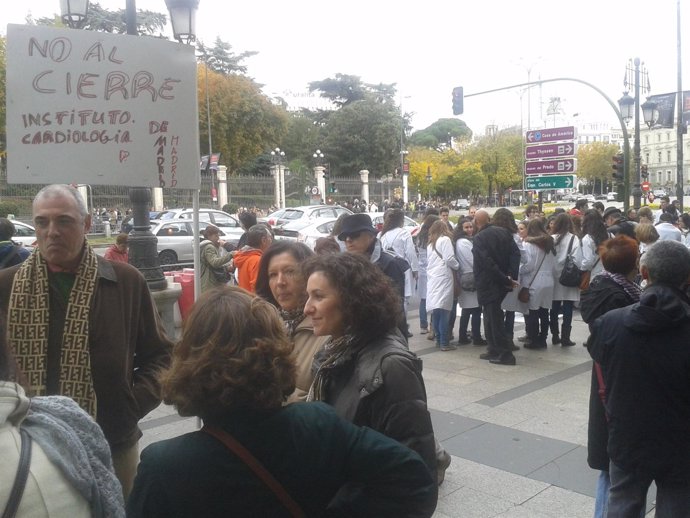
point(353, 236)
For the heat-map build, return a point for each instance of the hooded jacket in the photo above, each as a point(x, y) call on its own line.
point(247, 262)
point(645, 357)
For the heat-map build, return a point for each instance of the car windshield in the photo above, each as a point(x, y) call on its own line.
point(292, 214)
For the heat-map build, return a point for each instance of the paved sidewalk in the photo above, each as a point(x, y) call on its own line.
point(517, 435)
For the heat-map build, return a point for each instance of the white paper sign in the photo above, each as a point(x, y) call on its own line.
point(86, 107)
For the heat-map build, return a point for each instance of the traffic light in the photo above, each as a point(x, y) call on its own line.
point(644, 172)
point(618, 168)
point(332, 188)
point(457, 100)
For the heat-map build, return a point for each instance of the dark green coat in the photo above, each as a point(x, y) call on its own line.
point(306, 447)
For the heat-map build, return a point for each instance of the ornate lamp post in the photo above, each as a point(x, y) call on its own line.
point(142, 243)
point(277, 158)
point(429, 178)
point(630, 109)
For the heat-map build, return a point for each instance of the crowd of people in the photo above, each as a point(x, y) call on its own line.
point(312, 402)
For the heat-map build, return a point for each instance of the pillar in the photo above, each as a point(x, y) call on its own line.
point(320, 181)
point(364, 176)
point(276, 178)
point(281, 170)
point(222, 185)
point(406, 194)
point(158, 199)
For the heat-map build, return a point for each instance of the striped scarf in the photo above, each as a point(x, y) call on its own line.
point(336, 348)
point(632, 289)
point(28, 323)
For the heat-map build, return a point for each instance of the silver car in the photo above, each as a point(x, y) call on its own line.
point(176, 239)
point(24, 233)
point(295, 218)
point(228, 223)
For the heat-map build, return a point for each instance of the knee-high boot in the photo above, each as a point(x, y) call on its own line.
point(565, 334)
point(544, 332)
point(553, 324)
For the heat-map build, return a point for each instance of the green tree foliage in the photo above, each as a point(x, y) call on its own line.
point(440, 133)
point(501, 160)
point(346, 89)
point(149, 23)
point(594, 162)
point(220, 58)
point(244, 123)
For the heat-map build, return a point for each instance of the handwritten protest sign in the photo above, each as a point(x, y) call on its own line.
point(101, 109)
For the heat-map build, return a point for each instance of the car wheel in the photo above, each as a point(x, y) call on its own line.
point(167, 259)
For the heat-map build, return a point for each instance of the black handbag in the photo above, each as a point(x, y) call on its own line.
point(571, 275)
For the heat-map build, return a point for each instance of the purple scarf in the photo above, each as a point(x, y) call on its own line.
point(632, 289)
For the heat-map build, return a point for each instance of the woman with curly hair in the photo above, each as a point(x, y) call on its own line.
point(366, 371)
point(280, 282)
point(233, 368)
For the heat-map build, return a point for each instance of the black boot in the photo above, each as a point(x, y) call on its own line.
point(565, 333)
point(532, 325)
point(555, 339)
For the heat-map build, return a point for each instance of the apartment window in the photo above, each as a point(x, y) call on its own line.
point(606, 139)
point(646, 139)
point(668, 155)
point(668, 136)
point(658, 156)
point(658, 137)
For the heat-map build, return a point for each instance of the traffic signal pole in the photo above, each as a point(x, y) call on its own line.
point(624, 129)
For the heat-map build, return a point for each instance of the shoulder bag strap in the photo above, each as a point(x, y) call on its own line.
point(21, 477)
point(233, 445)
point(538, 268)
point(570, 245)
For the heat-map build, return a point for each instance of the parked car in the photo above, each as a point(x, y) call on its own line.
point(658, 193)
point(229, 224)
point(299, 217)
point(612, 196)
point(24, 233)
point(176, 239)
point(272, 218)
point(321, 227)
point(462, 203)
point(410, 224)
point(601, 196)
point(573, 196)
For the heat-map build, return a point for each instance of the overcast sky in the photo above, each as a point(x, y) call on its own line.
point(439, 44)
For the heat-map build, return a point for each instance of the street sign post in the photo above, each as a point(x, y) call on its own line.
point(543, 183)
point(563, 149)
point(550, 134)
point(566, 165)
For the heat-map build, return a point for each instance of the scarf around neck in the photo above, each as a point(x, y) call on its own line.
point(630, 288)
point(336, 348)
point(28, 329)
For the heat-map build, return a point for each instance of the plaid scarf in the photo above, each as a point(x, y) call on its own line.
point(632, 289)
point(336, 348)
point(291, 319)
point(29, 317)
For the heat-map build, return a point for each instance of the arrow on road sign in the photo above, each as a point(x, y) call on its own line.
point(566, 165)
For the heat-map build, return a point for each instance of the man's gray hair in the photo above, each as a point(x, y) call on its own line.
point(57, 190)
point(668, 262)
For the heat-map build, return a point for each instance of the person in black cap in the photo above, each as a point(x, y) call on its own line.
point(359, 235)
point(617, 224)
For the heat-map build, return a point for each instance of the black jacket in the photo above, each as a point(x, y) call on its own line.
point(645, 356)
point(379, 384)
point(495, 256)
point(602, 296)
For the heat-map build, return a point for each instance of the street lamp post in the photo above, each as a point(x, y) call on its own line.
point(142, 243)
point(630, 109)
point(429, 178)
point(277, 157)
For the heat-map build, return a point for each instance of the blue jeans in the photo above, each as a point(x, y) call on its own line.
point(628, 496)
point(601, 503)
point(423, 322)
point(439, 318)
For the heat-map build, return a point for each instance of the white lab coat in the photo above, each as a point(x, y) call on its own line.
point(441, 264)
point(541, 288)
point(463, 252)
point(588, 258)
point(398, 242)
point(561, 292)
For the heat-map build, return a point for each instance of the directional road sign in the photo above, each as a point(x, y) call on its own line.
point(541, 183)
point(563, 149)
point(565, 165)
point(550, 134)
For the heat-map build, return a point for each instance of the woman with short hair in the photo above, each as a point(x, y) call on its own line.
point(233, 368)
point(613, 288)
